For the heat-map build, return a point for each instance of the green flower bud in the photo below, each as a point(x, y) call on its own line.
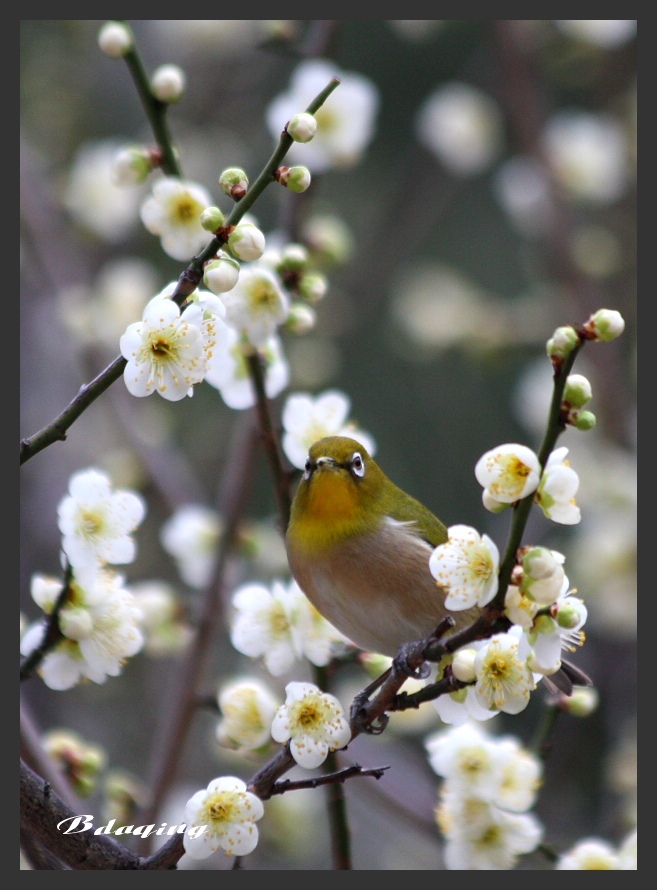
point(246, 242)
point(577, 391)
point(583, 701)
point(544, 624)
point(562, 342)
point(313, 287)
point(569, 616)
point(582, 420)
point(301, 318)
point(296, 179)
point(605, 325)
point(302, 127)
point(211, 219)
point(221, 275)
point(329, 240)
point(234, 182)
point(132, 165)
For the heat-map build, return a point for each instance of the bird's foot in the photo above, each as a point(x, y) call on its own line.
point(410, 660)
point(359, 714)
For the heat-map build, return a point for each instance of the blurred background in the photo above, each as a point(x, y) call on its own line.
point(490, 198)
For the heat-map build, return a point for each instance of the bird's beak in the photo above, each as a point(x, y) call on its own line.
point(322, 461)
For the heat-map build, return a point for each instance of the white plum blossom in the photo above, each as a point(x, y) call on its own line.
point(508, 473)
point(496, 769)
point(168, 350)
point(229, 813)
point(483, 837)
point(312, 721)
point(247, 707)
point(462, 127)
point(94, 199)
point(97, 522)
point(489, 784)
point(163, 624)
point(588, 155)
point(551, 635)
point(279, 625)
point(466, 566)
point(173, 212)
point(228, 371)
point(504, 680)
point(257, 305)
point(101, 627)
point(557, 489)
point(345, 122)
point(306, 418)
point(191, 536)
point(458, 707)
point(589, 854)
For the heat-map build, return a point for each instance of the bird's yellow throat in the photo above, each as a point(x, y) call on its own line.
point(327, 511)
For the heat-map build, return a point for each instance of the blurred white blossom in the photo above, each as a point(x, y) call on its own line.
point(191, 536)
point(588, 155)
point(93, 198)
point(462, 126)
point(345, 123)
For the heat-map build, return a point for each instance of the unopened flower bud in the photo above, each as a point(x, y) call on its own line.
point(582, 420)
point(583, 701)
point(114, 39)
point(544, 624)
point(302, 127)
point(234, 182)
point(577, 391)
point(301, 318)
point(211, 219)
point(605, 325)
point(562, 342)
point(294, 258)
point(168, 83)
point(221, 275)
point(463, 665)
point(329, 239)
point(296, 179)
point(569, 615)
point(313, 287)
point(247, 242)
point(132, 165)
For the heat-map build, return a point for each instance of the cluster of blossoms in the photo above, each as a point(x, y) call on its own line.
point(312, 721)
point(489, 785)
point(280, 625)
point(99, 621)
point(545, 616)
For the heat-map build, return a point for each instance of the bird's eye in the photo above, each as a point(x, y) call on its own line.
point(307, 469)
point(357, 464)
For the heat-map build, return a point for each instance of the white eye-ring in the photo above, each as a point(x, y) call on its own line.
point(357, 464)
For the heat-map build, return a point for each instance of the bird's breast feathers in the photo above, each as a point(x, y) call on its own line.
point(376, 588)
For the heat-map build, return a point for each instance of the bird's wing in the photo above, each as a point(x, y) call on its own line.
point(428, 526)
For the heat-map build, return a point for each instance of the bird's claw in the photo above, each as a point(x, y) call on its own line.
point(408, 661)
point(359, 717)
